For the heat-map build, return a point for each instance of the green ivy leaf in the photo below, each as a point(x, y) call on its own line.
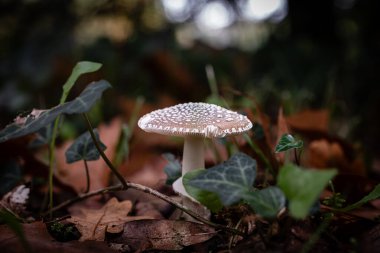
point(43, 136)
point(208, 199)
point(80, 104)
point(302, 187)
point(84, 148)
point(228, 180)
point(266, 202)
point(287, 142)
point(173, 169)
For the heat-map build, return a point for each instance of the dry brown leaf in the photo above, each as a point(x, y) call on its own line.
point(163, 234)
point(74, 174)
point(309, 120)
point(325, 154)
point(93, 223)
point(39, 240)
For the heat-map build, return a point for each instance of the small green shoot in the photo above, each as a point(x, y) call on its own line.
point(287, 142)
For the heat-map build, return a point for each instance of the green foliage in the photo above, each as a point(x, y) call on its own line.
point(80, 104)
point(84, 148)
point(229, 180)
point(80, 68)
point(43, 136)
point(173, 169)
point(207, 198)
point(302, 187)
point(374, 194)
point(287, 141)
point(336, 200)
point(63, 232)
point(266, 202)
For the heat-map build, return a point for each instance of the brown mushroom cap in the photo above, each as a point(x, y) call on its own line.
point(195, 119)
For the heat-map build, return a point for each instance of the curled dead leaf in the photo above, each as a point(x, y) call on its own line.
point(163, 234)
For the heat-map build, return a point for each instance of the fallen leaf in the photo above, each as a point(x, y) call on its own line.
point(40, 240)
point(93, 223)
point(163, 234)
point(331, 154)
point(309, 120)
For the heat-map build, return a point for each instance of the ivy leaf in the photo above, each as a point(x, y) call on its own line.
point(228, 180)
point(43, 136)
point(266, 202)
point(173, 169)
point(84, 148)
point(41, 118)
point(302, 187)
point(287, 142)
point(207, 198)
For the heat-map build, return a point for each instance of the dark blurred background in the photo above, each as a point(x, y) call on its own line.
point(291, 53)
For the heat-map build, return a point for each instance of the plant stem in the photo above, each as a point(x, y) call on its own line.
point(317, 234)
point(87, 177)
point(258, 152)
point(296, 157)
point(105, 158)
point(51, 162)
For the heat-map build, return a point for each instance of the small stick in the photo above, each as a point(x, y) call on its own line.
point(87, 177)
point(105, 158)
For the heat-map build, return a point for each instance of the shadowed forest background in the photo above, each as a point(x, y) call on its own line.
point(318, 54)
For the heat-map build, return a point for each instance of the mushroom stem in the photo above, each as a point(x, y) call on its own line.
point(193, 154)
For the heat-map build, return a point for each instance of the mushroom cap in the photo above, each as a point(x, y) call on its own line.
point(195, 119)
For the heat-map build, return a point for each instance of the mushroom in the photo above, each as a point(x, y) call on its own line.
point(194, 122)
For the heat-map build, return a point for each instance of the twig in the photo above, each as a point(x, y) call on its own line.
point(84, 196)
point(151, 192)
point(105, 158)
point(87, 177)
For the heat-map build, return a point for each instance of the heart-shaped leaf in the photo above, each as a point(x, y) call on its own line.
point(84, 148)
point(266, 202)
point(208, 199)
point(302, 187)
point(287, 142)
point(173, 169)
point(228, 180)
point(33, 123)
